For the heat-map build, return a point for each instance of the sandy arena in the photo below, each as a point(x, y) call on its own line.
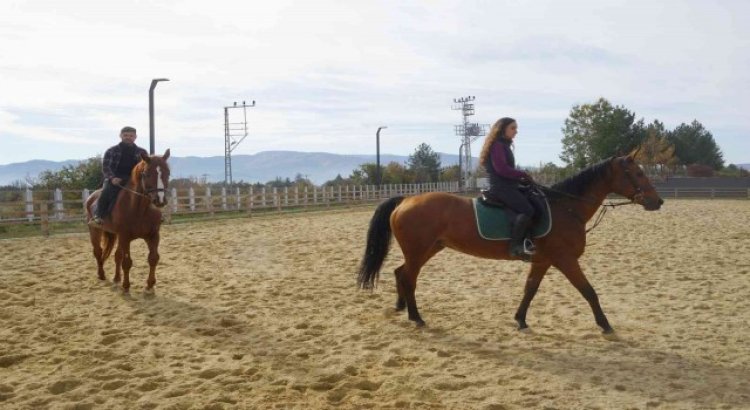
point(264, 313)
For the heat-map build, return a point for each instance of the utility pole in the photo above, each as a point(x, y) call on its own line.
point(469, 132)
point(152, 137)
point(378, 173)
point(233, 130)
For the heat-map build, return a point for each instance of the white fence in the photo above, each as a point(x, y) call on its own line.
point(57, 205)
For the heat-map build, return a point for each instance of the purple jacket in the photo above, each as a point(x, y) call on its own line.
point(503, 162)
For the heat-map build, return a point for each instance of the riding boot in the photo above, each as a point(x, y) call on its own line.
point(520, 245)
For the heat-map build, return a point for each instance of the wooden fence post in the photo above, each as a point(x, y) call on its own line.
point(58, 201)
point(45, 217)
point(175, 200)
point(29, 205)
point(209, 201)
point(250, 201)
point(84, 196)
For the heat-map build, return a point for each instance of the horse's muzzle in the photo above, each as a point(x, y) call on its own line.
point(652, 203)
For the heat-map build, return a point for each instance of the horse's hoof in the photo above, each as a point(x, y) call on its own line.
point(149, 292)
point(522, 325)
point(608, 331)
point(420, 323)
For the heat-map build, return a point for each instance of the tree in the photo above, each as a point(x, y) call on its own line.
point(85, 174)
point(339, 180)
point(396, 173)
point(450, 173)
point(550, 173)
point(301, 181)
point(597, 131)
point(424, 164)
point(656, 153)
point(695, 145)
point(279, 183)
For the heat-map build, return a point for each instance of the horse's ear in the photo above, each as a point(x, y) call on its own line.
point(634, 153)
point(145, 157)
point(166, 155)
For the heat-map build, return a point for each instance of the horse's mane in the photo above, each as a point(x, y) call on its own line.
point(579, 183)
point(140, 167)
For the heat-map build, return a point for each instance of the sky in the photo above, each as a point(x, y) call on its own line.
point(326, 74)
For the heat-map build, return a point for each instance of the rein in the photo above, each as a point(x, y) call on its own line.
point(148, 191)
point(134, 192)
point(604, 207)
point(602, 212)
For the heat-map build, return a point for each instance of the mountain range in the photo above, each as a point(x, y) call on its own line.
point(264, 166)
point(318, 167)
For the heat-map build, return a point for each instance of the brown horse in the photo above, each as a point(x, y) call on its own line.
point(425, 224)
point(135, 215)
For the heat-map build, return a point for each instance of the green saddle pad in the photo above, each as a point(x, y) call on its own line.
point(493, 223)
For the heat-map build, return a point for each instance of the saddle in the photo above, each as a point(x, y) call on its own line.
point(494, 218)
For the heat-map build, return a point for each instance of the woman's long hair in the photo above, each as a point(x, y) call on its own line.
point(497, 131)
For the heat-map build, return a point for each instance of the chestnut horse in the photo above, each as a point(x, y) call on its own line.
point(135, 215)
point(425, 224)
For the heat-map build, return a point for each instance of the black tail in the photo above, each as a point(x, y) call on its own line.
point(108, 243)
point(378, 242)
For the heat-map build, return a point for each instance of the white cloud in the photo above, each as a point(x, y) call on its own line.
point(326, 74)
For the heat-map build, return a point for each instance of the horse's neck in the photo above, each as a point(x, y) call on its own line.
point(594, 195)
point(135, 203)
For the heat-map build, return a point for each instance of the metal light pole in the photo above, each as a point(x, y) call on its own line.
point(377, 156)
point(151, 113)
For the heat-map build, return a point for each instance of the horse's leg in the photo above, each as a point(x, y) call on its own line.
point(153, 260)
point(96, 237)
point(536, 274)
point(119, 256)
point(572, 270)
point(401, 300)
point(407, 279)
point(127, 263)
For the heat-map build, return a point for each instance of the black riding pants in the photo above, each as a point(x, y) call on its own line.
point(107, 198)
point(511, 196)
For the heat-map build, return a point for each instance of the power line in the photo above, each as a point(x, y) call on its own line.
point(233, 130)
point(469, 132)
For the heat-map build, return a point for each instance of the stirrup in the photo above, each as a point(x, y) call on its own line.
point(528, 246)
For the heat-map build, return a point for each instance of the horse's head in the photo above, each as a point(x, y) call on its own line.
point(630, 182)
point(155, 178)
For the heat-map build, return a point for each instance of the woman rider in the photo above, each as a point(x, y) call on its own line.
point(497, 158)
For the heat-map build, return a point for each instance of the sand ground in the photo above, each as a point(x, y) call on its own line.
point(264, 313)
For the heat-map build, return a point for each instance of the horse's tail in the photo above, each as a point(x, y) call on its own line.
point(378, 242)
point(107, 242)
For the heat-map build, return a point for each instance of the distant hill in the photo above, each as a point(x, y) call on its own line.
point(744, 166)
point(20, 171)
point(261, 167)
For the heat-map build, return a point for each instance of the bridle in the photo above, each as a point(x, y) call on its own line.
point(143, 185)
point(632, 200)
